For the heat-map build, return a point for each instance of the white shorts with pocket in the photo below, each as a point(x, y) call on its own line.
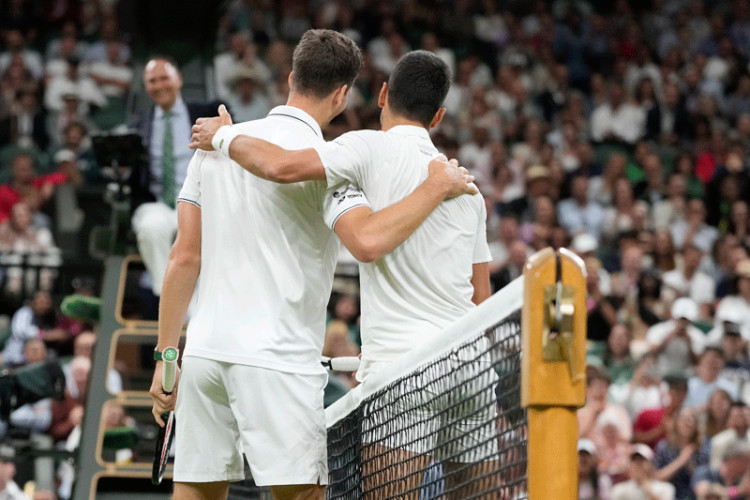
point(275, 418)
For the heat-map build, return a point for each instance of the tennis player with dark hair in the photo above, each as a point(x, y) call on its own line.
point(441, 271)
point(251, 377)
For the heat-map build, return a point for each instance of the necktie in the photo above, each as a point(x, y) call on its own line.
point(167, 163)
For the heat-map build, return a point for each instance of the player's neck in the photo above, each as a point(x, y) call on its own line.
point(389, 120)
point(319, 110)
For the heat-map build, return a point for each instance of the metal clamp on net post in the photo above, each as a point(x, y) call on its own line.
point(559, 313)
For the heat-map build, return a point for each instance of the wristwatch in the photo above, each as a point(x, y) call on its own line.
point(169, 354)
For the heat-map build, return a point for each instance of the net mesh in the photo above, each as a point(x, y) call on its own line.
point(453, 428)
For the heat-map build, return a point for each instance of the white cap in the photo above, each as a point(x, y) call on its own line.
point(584, 243)
point(65, 155)
point(587, 445)
point(685, 308)
point(642, 450)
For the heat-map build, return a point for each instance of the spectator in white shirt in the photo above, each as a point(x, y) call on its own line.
point(738, 423)
point(688, 281)
point(617, 120)
point(9, 490)
point(694, 230)
point(75, 82)
point(676, 341)
point(15, 44)
point(642, 484)
point(112, 75)
point(240, 52)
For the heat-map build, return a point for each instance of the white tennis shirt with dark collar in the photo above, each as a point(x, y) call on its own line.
point(424, 285)
point(267, 254)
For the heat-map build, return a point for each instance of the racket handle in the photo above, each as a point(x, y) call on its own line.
point(342, 364)
point(169, 369)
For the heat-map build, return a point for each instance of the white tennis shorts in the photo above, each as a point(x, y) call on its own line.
point(275, 418)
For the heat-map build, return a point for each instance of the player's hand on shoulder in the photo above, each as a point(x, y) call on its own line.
point(205, 129)
point(162, 402)
point(454, 179)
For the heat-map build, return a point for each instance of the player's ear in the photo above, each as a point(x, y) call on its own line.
point(383, 96)
point(289, 79)
point(437, 118)
point(339, 95)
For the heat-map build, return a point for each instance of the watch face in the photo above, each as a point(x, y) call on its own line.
point(169, 354)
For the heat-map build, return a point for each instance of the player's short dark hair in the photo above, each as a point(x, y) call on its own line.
point(418, 85)
point(323, 61)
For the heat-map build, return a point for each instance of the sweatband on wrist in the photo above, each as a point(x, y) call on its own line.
point(223, 138)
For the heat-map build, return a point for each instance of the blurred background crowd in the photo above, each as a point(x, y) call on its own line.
point(618, 129)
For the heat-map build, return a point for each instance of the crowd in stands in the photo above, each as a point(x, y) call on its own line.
point(618, 129)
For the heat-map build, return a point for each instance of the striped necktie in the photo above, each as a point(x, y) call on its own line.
point(167, 163)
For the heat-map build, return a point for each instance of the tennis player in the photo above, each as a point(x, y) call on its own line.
point(441, 271)
point(251, 377)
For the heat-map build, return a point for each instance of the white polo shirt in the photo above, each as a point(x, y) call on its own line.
point(267, 254)
point(425, 284)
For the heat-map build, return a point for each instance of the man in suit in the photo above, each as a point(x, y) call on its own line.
point(165, 130)
point(26, 125)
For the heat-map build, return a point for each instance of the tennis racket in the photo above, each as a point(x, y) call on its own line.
point(166, 433)
point(342, 364)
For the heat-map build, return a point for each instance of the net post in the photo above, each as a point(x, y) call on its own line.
point(553, 370)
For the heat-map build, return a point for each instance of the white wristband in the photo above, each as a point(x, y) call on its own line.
point(223, 138)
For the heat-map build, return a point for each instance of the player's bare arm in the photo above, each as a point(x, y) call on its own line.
point(371, 235)
point(480, 280)
point(179, 281)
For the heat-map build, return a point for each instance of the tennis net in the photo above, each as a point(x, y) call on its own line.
point(443, 421)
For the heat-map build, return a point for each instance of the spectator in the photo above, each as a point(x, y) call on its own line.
point(597, 405)
point(165, 131)
point(577, 214)
point(241, 53)
point(26, 123)
point(738, 423)
point(715, 416)
point(68, 413)
point(8, 488)
point(112, 75)
point(707, 379)
point(732, 474)
point(618, 119)
point(694, 230)
point(246, 98)
point(688, 281)
point(36, 320)
point(677, 457)
point(651, 425)
point(737, 304)
point(15, 44)
point(592, 485)
point(602, 315)
point(617, 358)
point(668, 121)
point(25, 185)
point(676, 342)
point(32, 418)
point(643, 482)
point(508, 233)
point(514, 267)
